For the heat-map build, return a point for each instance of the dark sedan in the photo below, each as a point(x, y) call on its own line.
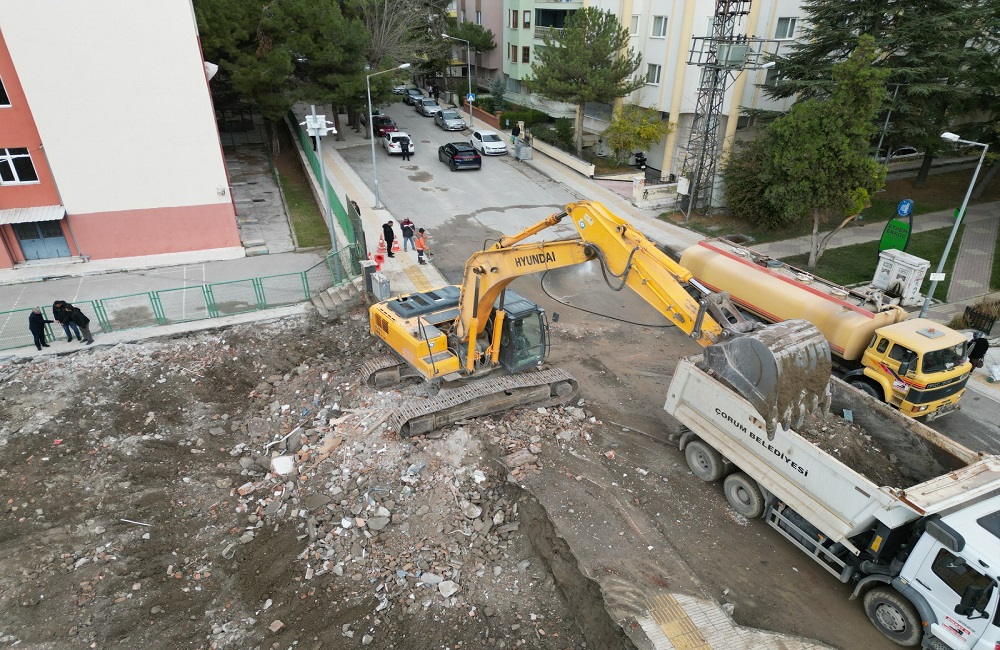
point(460, 155)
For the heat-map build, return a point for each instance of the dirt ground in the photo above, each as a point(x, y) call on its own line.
point(144, 504)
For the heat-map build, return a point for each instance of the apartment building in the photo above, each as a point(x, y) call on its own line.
point(662, 31)
point(109, 148)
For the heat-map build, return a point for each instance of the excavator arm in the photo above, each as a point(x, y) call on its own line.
point(460, 332)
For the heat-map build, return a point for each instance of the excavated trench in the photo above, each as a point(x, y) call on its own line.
point(582, 594)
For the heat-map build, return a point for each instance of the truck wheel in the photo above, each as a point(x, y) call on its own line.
point(866, 387)
point(744, 495)
point(705, 462)
point(894, 616)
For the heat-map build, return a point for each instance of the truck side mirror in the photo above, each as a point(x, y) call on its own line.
point(905, 367)
point(971, 601)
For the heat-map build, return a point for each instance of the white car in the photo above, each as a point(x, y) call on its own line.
point(393, 140)
point(488, 142)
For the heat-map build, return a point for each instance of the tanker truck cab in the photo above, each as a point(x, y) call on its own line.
point(951, 579)
point(917, 366)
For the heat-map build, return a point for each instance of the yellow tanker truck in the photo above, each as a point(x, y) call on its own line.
point(917, 365)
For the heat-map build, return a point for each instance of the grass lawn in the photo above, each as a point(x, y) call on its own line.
point(306, 216)
point(942, 192)
point(851, 265)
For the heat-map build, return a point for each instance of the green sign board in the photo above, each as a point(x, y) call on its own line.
point(895, 236)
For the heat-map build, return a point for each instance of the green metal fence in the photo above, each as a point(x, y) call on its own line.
point(335, 205)
point(184, 304)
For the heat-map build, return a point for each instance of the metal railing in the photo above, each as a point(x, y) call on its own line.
point(199, 302)
point(335, 205)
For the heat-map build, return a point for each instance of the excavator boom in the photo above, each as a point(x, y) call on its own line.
point(461, 333)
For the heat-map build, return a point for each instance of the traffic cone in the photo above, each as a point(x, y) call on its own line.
point(379, 261)
point(381, 244)
point(395, 246)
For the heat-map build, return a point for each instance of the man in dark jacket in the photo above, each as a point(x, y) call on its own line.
point(977, 351)
point(59, 313)
point(36, 323)
point(81, 321)
point(389, 236)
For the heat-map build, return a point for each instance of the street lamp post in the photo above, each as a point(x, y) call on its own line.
point(951, 137)
point(318, 126)
point(468, 61)
point(371, 127)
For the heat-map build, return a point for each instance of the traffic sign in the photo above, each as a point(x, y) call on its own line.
point(896, 235)
point(904, 208)
point(470, 97)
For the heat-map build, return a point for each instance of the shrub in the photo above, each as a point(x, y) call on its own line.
point(531, 117)
point(498, 92)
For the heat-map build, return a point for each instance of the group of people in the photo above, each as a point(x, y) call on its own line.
point(412, 237)
point(73, 321)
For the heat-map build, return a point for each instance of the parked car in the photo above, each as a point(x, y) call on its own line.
point(382, 124)
point(412, 95)
point(460, 155)
point(392, 140)
point(400, 89)
point(449, 120)
point(427, 107)
point(488, 142)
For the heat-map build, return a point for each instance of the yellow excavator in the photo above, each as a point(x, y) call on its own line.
point(484, 346)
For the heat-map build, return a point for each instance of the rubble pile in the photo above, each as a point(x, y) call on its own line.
point(240, 488)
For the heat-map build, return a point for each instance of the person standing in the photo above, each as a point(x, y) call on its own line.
point(406, 227)
point(36, 323)
point(81, 321)
point(977, 352)
point(422, 246)
point(404, 148)
point(69, 327)
point(389, 236)
point(437, 92)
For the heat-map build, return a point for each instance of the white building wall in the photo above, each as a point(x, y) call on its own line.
point(94, 77)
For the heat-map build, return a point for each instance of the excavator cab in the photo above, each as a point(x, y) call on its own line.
point(524, 340)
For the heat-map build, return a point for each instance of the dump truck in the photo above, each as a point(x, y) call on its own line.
point(916, 365)
point(908, 517)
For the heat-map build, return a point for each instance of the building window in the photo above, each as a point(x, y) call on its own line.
point(513, 53)
point(513, 18)
point(4, 99)
point(770, 77)
point(479, 18)
point(634, 26)
point(525, 54)
point(653, 74)
point(16, 167)
point(659, 27)
point(785, 29)
point(527, 20)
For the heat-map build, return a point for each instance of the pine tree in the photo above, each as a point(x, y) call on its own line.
point(588, 61)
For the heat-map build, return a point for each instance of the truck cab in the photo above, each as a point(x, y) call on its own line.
point(917, 366)
point(951, 578)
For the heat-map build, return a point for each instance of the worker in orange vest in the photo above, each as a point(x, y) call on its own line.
point(422, 246)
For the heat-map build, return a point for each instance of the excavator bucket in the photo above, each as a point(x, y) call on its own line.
point(783, 370)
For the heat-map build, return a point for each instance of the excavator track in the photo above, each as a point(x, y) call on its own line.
point(482, 397)
point(384, 371)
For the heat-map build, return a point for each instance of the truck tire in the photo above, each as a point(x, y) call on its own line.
point(744, 495)
point(866, 387)
point(705, 462)
point(893, 616)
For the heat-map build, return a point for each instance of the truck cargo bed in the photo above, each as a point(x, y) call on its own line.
point(935, 472)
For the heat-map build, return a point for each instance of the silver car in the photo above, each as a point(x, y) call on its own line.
point(427, 107)
point(449, 120)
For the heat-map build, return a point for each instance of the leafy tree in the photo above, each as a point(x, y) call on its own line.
point(588, 61)
point(928, 45)
point(814, 163)
point(633, 128)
